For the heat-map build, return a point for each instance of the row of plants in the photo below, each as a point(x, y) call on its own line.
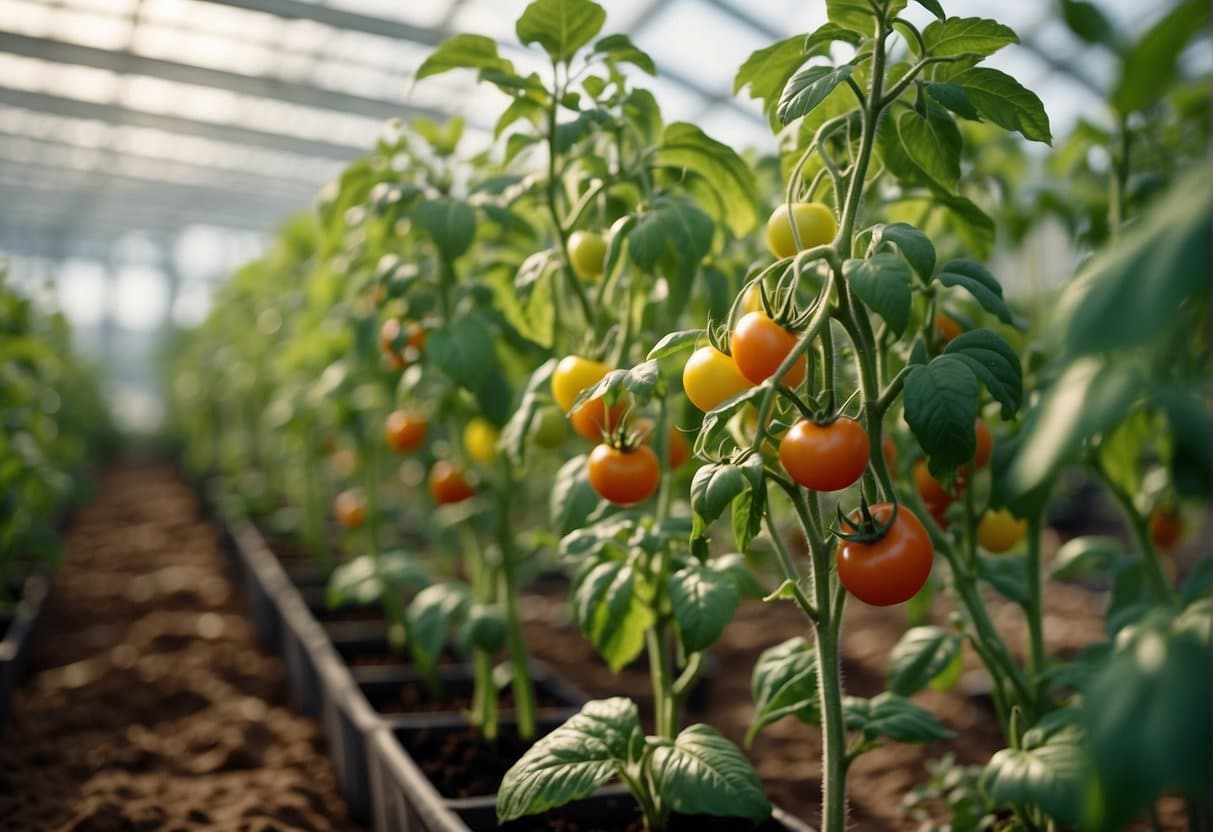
point(583, 351)
point(55, 426)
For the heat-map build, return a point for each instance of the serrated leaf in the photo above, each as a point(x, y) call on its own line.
point(572, 761)
point(978, 282)
point(560, 27)
point(610, 614)
point(784, 683)
point(673, 343)
point(995, 363)
point(685, 146)
point(933, 143)
point(920, 655)
point(767, 70)
point(703, 601)
point(702, 773)
point(882, 282)
point(1006, 102)
point(915, 246)
point(940, 408)
point(967, 36)
point(463, 52)
point(893, 716)
point(808, 88)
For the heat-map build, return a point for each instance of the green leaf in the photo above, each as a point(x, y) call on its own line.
point(560, 27)
point(620, 49)
point(933, 7)
point(894, 717)
point(933, 143)
point(1053, 776)
point(433, 613)
point(642, 382)
point(1007, 573)
point(953, 97)
point(966, 36)
point(940, 408)
point(610, 614)
point(784, 683)
point(573, 499)
point(483, 627)
point(571, 762)
point(738, 571)
point(919, 656)
point(1192, 435)
point(978, 282)
point(673, 343)
point(883, 284)
point(1131, 293)
point(464, 52)
point(713, 489)
point(808, 88)
point(1090, 24)
point(687, 147)
point(703, 601)
point(993, 361)
point(1005, 101)
point(672, 224)
point(1085, 557)
point(702, 773)
point(857, 15)
point(366, 579)
point(975, 226)
point(463, 350)
point(1150, 65)
point(451, 224)
point(915, 246)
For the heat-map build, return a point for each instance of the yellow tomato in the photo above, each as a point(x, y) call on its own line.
point(711, 377)
point(480, 440)
point(572, 375)
point(814, 223)
point(1000, 531)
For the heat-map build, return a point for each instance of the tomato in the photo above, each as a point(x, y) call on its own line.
point(985, 444)
point(350, 509)
point(624, 477)
point(587, 254)
point(760, 345)
point(890, 452)
point(892, 569)
point(448, 484)
point(947, 678)
point(405, 431)
point(825, 457)
point(414, 341)
point(591, 421)
point(946, 328)
point(343, 463)
point(815, 225)
point(548, 428)
point(480, 440)
point(572, 375)
point(932, 491)
point(1000, 531)
point(677, 450)
point(711, 377)
point(751, 301)
point(1165, 527)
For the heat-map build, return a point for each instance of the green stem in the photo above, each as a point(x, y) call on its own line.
point(524, 689)
point(1139, 525)
point(484, 691)
point(553, 191)
point(1035, 607)
point(1119, 180)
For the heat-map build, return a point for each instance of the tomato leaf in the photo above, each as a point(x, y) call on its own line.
point(365, 579)
point(432, 615)
point(610, 614)
point(703, 601)
point(463, 351)
point(464, 52)
point(1006, 573)
point(767, 70)
point(893, 716)
point(1150, 65)
point(451, 224)
point(1005, 101)
point(738, 571)
point(483, 627)
point(560, 27)
point(673, 343)
point(702, 773)
point(1090, 24)
point(993, 361)
point(573, 499)
point(713, 489)
point(967, 36)
point(882, 282)
point(784, 683)
point(933, 143)
point(858, 15)
point(940, 408)
point(808, 88)
point(915, 246)
point(687, 147)
point(1088, 556)
point(672, 224)
point(571, 762)
point(919, 656)
point(1053, 776)
point(953, 97)
point(975, 226)
point(933, 7)
point(976, 279)
point(620, 49)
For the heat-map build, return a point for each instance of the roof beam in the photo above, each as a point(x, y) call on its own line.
point(114, 114)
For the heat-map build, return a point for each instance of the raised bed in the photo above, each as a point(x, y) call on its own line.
point(17, 625)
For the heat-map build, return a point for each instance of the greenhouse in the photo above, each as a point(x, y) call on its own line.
point(617, 416)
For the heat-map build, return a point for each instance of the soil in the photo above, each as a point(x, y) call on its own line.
point(459, 763)
point(619, 814)
point(148, 707)
point(414, 697)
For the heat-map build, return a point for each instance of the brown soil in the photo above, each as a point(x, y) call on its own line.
point(148, 706)
point(619, 814)
point(413, 697)
point(459, 764)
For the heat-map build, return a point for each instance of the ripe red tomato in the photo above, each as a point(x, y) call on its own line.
point(890, 452)
point(405, 431)
point(624, 477)
point(591, 420)
point(350, 509)
point(825, 457)
point(946, 328)
point(985, 444)
point(892, 569)
point(934, 496)
point(760, 345)
point(711, 377)
point(1165, 528)
point(448, 484)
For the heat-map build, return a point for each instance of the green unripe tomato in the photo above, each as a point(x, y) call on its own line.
point(587, 254)
point(814, 223)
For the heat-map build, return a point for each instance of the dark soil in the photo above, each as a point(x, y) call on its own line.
point(619, 814)
point(459, 763)
point(148, 706)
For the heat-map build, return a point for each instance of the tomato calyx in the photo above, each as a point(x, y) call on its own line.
point(867, 529)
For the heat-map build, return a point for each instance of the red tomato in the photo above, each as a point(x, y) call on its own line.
point(825, 457)
point(760, 345)
point(404, 431)
point(985, 444)
point(1165, 528)
point(350, 509)
point(624, 477)
point(946, 328)
point(892, 569)
point(448, 484)
point(389, 337)
point(890, 452)
point(591, 420)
